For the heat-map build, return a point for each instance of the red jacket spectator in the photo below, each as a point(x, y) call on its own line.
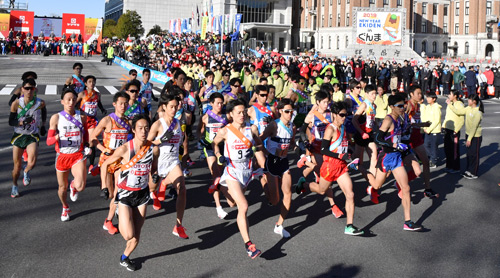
point(258, 64)
point(304, 70)
point(489, 76)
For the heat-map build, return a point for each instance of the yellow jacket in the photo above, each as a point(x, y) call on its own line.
point(278, 84)
point(431, 113)
point(338, 96)
point(382, 104)
point(286, 88)
point(247, 83)
point(452, 120)
point(473, 118)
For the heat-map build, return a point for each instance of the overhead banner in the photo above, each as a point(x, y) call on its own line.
point(237, 22)
point(204, 24)
point(4, 25)
point(380, 28)
point(22, 21)
point(73, 24)
point(47, 26)
point(156, 76)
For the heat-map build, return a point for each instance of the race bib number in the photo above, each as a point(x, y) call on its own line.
point(117, 139)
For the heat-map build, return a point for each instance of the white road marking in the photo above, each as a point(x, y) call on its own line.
point(491, 127)
point(51, 90)
point(111, 89)
point(6, 148)
point(7, 89)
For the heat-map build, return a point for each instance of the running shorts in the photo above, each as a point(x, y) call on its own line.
point(416, 138)
point(133, 198)
point(24, 140)
point(243, 176)
point(332, 168)
point(64, 162)
point(166, 166)
point(276, 166)
point(389, 161)
point(316, 146)
point(91, 122)
point(113, 167)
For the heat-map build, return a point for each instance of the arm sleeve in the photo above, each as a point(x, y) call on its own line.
point(13, 119)
point(44, 114)
point(99, 104)
point(325, 149)
point(303, 134)
point(51, 140)
point(380, 139)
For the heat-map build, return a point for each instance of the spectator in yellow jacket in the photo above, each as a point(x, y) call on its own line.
point(452, 125)
point(431, 113)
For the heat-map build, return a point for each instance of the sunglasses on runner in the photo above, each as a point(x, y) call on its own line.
point(236, 85)
point(134, 74)
point(288, 111)
point(134, 91)
point(343, 115)
point(358, 87)
point(29, 88)
point(263, 95)
point(78, 68)
point(227, 75)
point(399, 105)
point(302, 83)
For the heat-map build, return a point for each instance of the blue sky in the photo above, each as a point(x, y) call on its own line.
point(91, 8)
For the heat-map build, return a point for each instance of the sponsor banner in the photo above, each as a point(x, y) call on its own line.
point(156, 76)
point(204, 27)
point(47, 26)
point(237, 22)
point(4, 25)
point(22, 21)
point(93, 31)
point(382, 28)
point(73, 23)
point(227, 22)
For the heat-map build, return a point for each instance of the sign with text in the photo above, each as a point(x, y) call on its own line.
point(47, 26)
point(4, 25)
point(22, 21)
point(380, 28)
point(73, 24)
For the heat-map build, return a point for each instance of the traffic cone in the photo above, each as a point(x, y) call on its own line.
point(437, 91)
point(401, 88)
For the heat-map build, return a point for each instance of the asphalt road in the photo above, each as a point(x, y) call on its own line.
point(460, 238)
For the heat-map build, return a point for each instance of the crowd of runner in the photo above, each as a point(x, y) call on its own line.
point(247, 116)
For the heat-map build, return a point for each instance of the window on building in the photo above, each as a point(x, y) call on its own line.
point(445, 48)
point(415, 45)
point(321, 42)
point(488, 7)
point(445, 28)
point(445, 10)
point(322, 20)
point(424, 46)
point(399, 3)
point(424, 27)
point(457, 28)
point(348, 1)
point(330, 20)
point(338, 42)
point(466, 7)
point(434, 28)
point(307, 4)
point(386, 2)
point(466, 48)
point(466, 28)
point(434, 9)
point(338, 20)
point(434, 47)
point(346, 41)
point(372, 1)
point(257, 11)
point(347, 20)
point(322, 3)
point(305, 20)
point(339, 2)
point(457, 8)
point(329, 42)
point(424, 8)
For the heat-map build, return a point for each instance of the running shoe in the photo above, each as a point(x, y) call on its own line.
point(104, 193)
point(278, 229)
point(221, 213)
point(187, 173)
point(336, 211)
point(14, 193)
point(316, 177)
point(26, 179)
point(469, 176)
point(353, 230)
point(429, 193)
point(410, 226)
point(65, 214)
point(190, 162)
point(180, 232)
point(94, 170)
point(373, 194)
point(299, 187)
point(432, 165)
point(73, 193)
point(214, 187)
point(108, 226)
point(302, 161)
point(172, 193)
point(130, 265)
point(353, 165)
point(252, 251)
point(400, 194)
point(156, 201)
point(161, 191)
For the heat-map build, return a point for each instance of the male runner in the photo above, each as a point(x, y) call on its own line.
point(353, 100)
point(281, 135)
point(18, 92)
point(136, 105)
point(168, 136)
point(76, 80)
point(334, 148)
point(239, 139)
point(138, 162)
point(132, 76)
point(211, 122)
point(146, 91)
point(298, 96)
point(27, 115)
point(391, 160)
point(68, 130)
point(116, 128)
point(207, 90)
point(223, 86)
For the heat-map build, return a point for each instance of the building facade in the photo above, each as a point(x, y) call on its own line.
point(152, 12)
point(436, 28)
point(269, 21)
